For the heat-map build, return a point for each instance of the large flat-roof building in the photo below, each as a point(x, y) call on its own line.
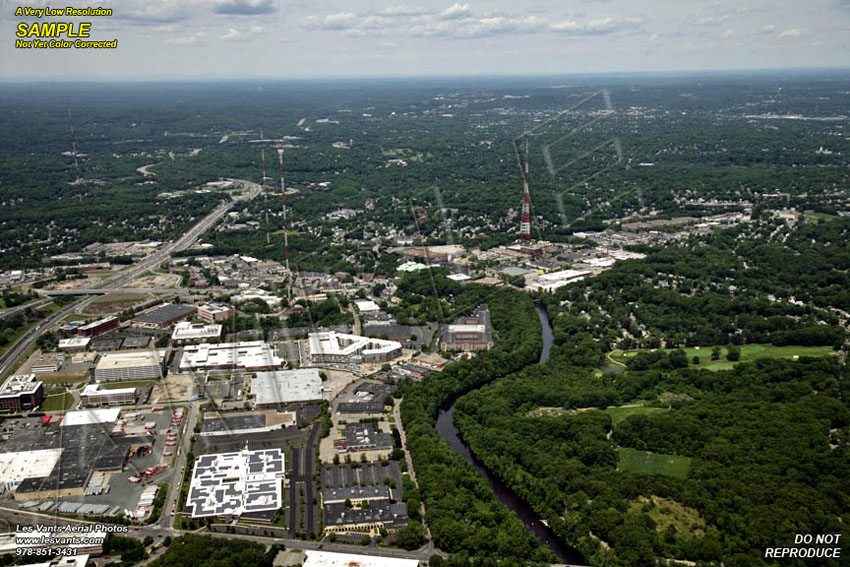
point(380, 514)
point(186, 332)
point(364, 437)
point(20, 465)
point(254, 423)
point(249, 355)
point(93, 396)
point(233, 484)
point(284, 387)
point(367, 397)
point(163, 316)
point(330, 346)
point(99, 327)
point(469, 333)
point(74, 344)
point(21, 392)
point(88, 443)
point(130, 365)
point(332, 559)
point(552, 281)
point(217, 311)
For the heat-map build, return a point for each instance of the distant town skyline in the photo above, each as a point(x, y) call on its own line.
point(220, 39)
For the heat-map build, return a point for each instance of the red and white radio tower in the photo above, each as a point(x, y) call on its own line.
point(525, 220)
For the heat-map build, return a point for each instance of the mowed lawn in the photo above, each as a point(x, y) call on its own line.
point(646, 462)
point(618, 414)
point(57, 402)
point(748, 353)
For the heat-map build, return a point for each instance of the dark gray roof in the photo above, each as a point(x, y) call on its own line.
point(165, 313)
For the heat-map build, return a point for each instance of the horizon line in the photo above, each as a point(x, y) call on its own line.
point(365, 77)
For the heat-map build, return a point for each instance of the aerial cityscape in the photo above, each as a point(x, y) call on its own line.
point(465, 309)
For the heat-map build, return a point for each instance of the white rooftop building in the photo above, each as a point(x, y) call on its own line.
point(74, 343)
point(332, 559)
point(330, 346)
point(130, 365)
point(232, 484)
point(367, 306)
point(90, 417)
point(21, 465)
point(187, 332)
point(250, 355)
point(555, 280)
point(272, 389)
point(92, 395)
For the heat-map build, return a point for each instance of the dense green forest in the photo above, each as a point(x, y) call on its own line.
point(769, 444)
point(204, 551)
point(733, 287)
point(465, 518)
point(664, 146)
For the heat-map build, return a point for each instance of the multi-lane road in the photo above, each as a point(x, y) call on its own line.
point(17, 350)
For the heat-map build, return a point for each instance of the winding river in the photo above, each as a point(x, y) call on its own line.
point(448, 431)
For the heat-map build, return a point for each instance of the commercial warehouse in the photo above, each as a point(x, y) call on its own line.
point(330, 346)
point(186, 332)
point(250, 355)
point(283, 387)
point(233, 484)
point(93, 396)
point(162, 316)
point(130, 365)
point(469, 333)
point(331, 559)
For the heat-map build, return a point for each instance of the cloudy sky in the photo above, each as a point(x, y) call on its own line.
point(198, 39)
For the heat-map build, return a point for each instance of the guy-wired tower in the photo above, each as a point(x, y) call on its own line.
point(525, 219)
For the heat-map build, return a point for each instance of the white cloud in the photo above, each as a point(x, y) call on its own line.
point(256, 29)
point(232, 33)
point(710, 21)
point(338, 21)
point(599, 26)
point(401, 10)
point(456, 11)
point(377, 23)
point(796, 32)
point(244, 7)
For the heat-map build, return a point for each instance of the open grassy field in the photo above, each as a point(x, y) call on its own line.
point(63, 377)
point(618, 414)
point(666, 512)
point(646, 462)
point(58, 402)
point(114, 302)
point(748, 353)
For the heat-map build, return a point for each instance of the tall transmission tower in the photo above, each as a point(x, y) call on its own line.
point(263, 185)
point(525, 219)
point(78, 181)
point(285, 225)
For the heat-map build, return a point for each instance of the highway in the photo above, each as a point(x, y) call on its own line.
point(16, 351)
point(32, 305)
